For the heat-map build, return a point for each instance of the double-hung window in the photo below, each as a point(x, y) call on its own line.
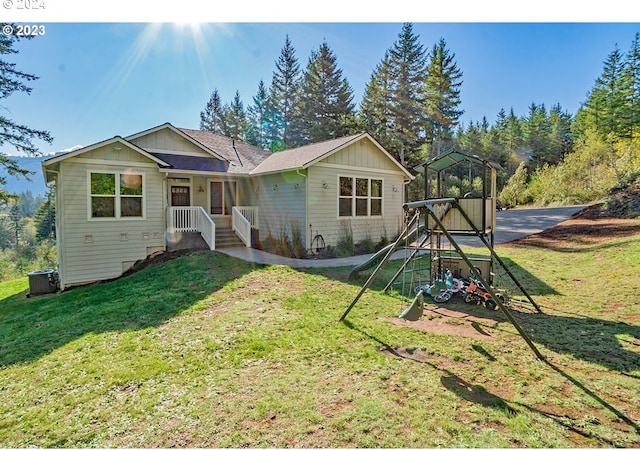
point(116, 195)
point(359, 197)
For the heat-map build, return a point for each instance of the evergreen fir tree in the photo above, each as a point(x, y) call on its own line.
point(45, 216)
point(536, 133)
point(407, 64)
point(15, 222)
point(606, 101)
point(375, 112)
point(283, 96)
point(392, 107)
point(470, 140)
point(442, 95)
point(326, 100)
point(235, 119)
point(12, 134)
point(631, 71)
point(212, 118)
point(512, 136)
point(560, 140)
point(508, 129)
point(257, 118)
point(501, 123)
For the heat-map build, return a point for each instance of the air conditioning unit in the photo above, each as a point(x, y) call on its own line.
point(43, 282)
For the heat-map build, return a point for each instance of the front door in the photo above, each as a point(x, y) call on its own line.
point(180, 196)
point(223, 197)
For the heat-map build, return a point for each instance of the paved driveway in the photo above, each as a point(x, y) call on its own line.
point(517, 223)
point(510, 224)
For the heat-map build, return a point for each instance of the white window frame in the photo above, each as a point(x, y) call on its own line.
point(118, 210)
point(355, 197)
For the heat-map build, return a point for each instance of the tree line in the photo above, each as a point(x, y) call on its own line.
point(601, 142)
point(411, 105)
point(411, 100)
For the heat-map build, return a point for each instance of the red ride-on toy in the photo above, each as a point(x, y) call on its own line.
point(476, 293)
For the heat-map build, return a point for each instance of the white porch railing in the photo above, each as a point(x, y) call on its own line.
point(207, 228)
point(187, 219)
point(243, 219)
point(250, 213)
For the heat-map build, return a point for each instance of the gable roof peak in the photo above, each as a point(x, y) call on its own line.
point(307, 155)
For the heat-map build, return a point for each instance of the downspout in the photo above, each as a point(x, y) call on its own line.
point(167, 205)
point(306, 208)
point(59, 237)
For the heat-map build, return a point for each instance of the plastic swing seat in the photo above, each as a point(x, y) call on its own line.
point(415, 309)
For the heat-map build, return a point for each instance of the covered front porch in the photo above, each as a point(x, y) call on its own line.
point(210, 209)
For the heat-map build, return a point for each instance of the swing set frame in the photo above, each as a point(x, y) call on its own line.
point(448, 217)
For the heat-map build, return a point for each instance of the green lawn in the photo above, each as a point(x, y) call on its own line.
point(208, 351)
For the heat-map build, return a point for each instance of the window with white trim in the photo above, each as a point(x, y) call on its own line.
point(115, 195)
point(359, 197)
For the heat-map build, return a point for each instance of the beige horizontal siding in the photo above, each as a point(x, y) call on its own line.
point(362, 153)
point(323, 205)
point(103, 257)
point(115, 153)
point(279, 208)
point(166, 139)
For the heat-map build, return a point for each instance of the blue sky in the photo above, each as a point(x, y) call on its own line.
point(102, 79)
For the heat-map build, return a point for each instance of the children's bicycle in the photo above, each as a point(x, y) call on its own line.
point(476, 293)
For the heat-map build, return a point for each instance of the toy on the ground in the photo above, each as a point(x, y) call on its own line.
point(442, 290)
point(476, 293)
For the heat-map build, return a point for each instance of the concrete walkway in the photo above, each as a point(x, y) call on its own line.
point(260, 257)
point(510, 225)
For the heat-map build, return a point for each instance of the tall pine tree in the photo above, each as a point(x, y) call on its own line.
point(393, 99)
point(257, 118)
point(407, 59)
point(536, 133)
point(325, 106)
point(375, 108)
point(631, 72)
point(45, 217)
point(283, 96)
point(12, 134)
point(441, 94)
point(235, 119)
point(604, 108)
point(560, 140)
point(212, 118)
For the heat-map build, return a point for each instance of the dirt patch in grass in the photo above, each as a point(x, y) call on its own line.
point(157, 258)
point(450, 322)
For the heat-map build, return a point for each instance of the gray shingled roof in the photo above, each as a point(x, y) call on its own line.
point(239, 157)
point(301, 157)
point(243, 159)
